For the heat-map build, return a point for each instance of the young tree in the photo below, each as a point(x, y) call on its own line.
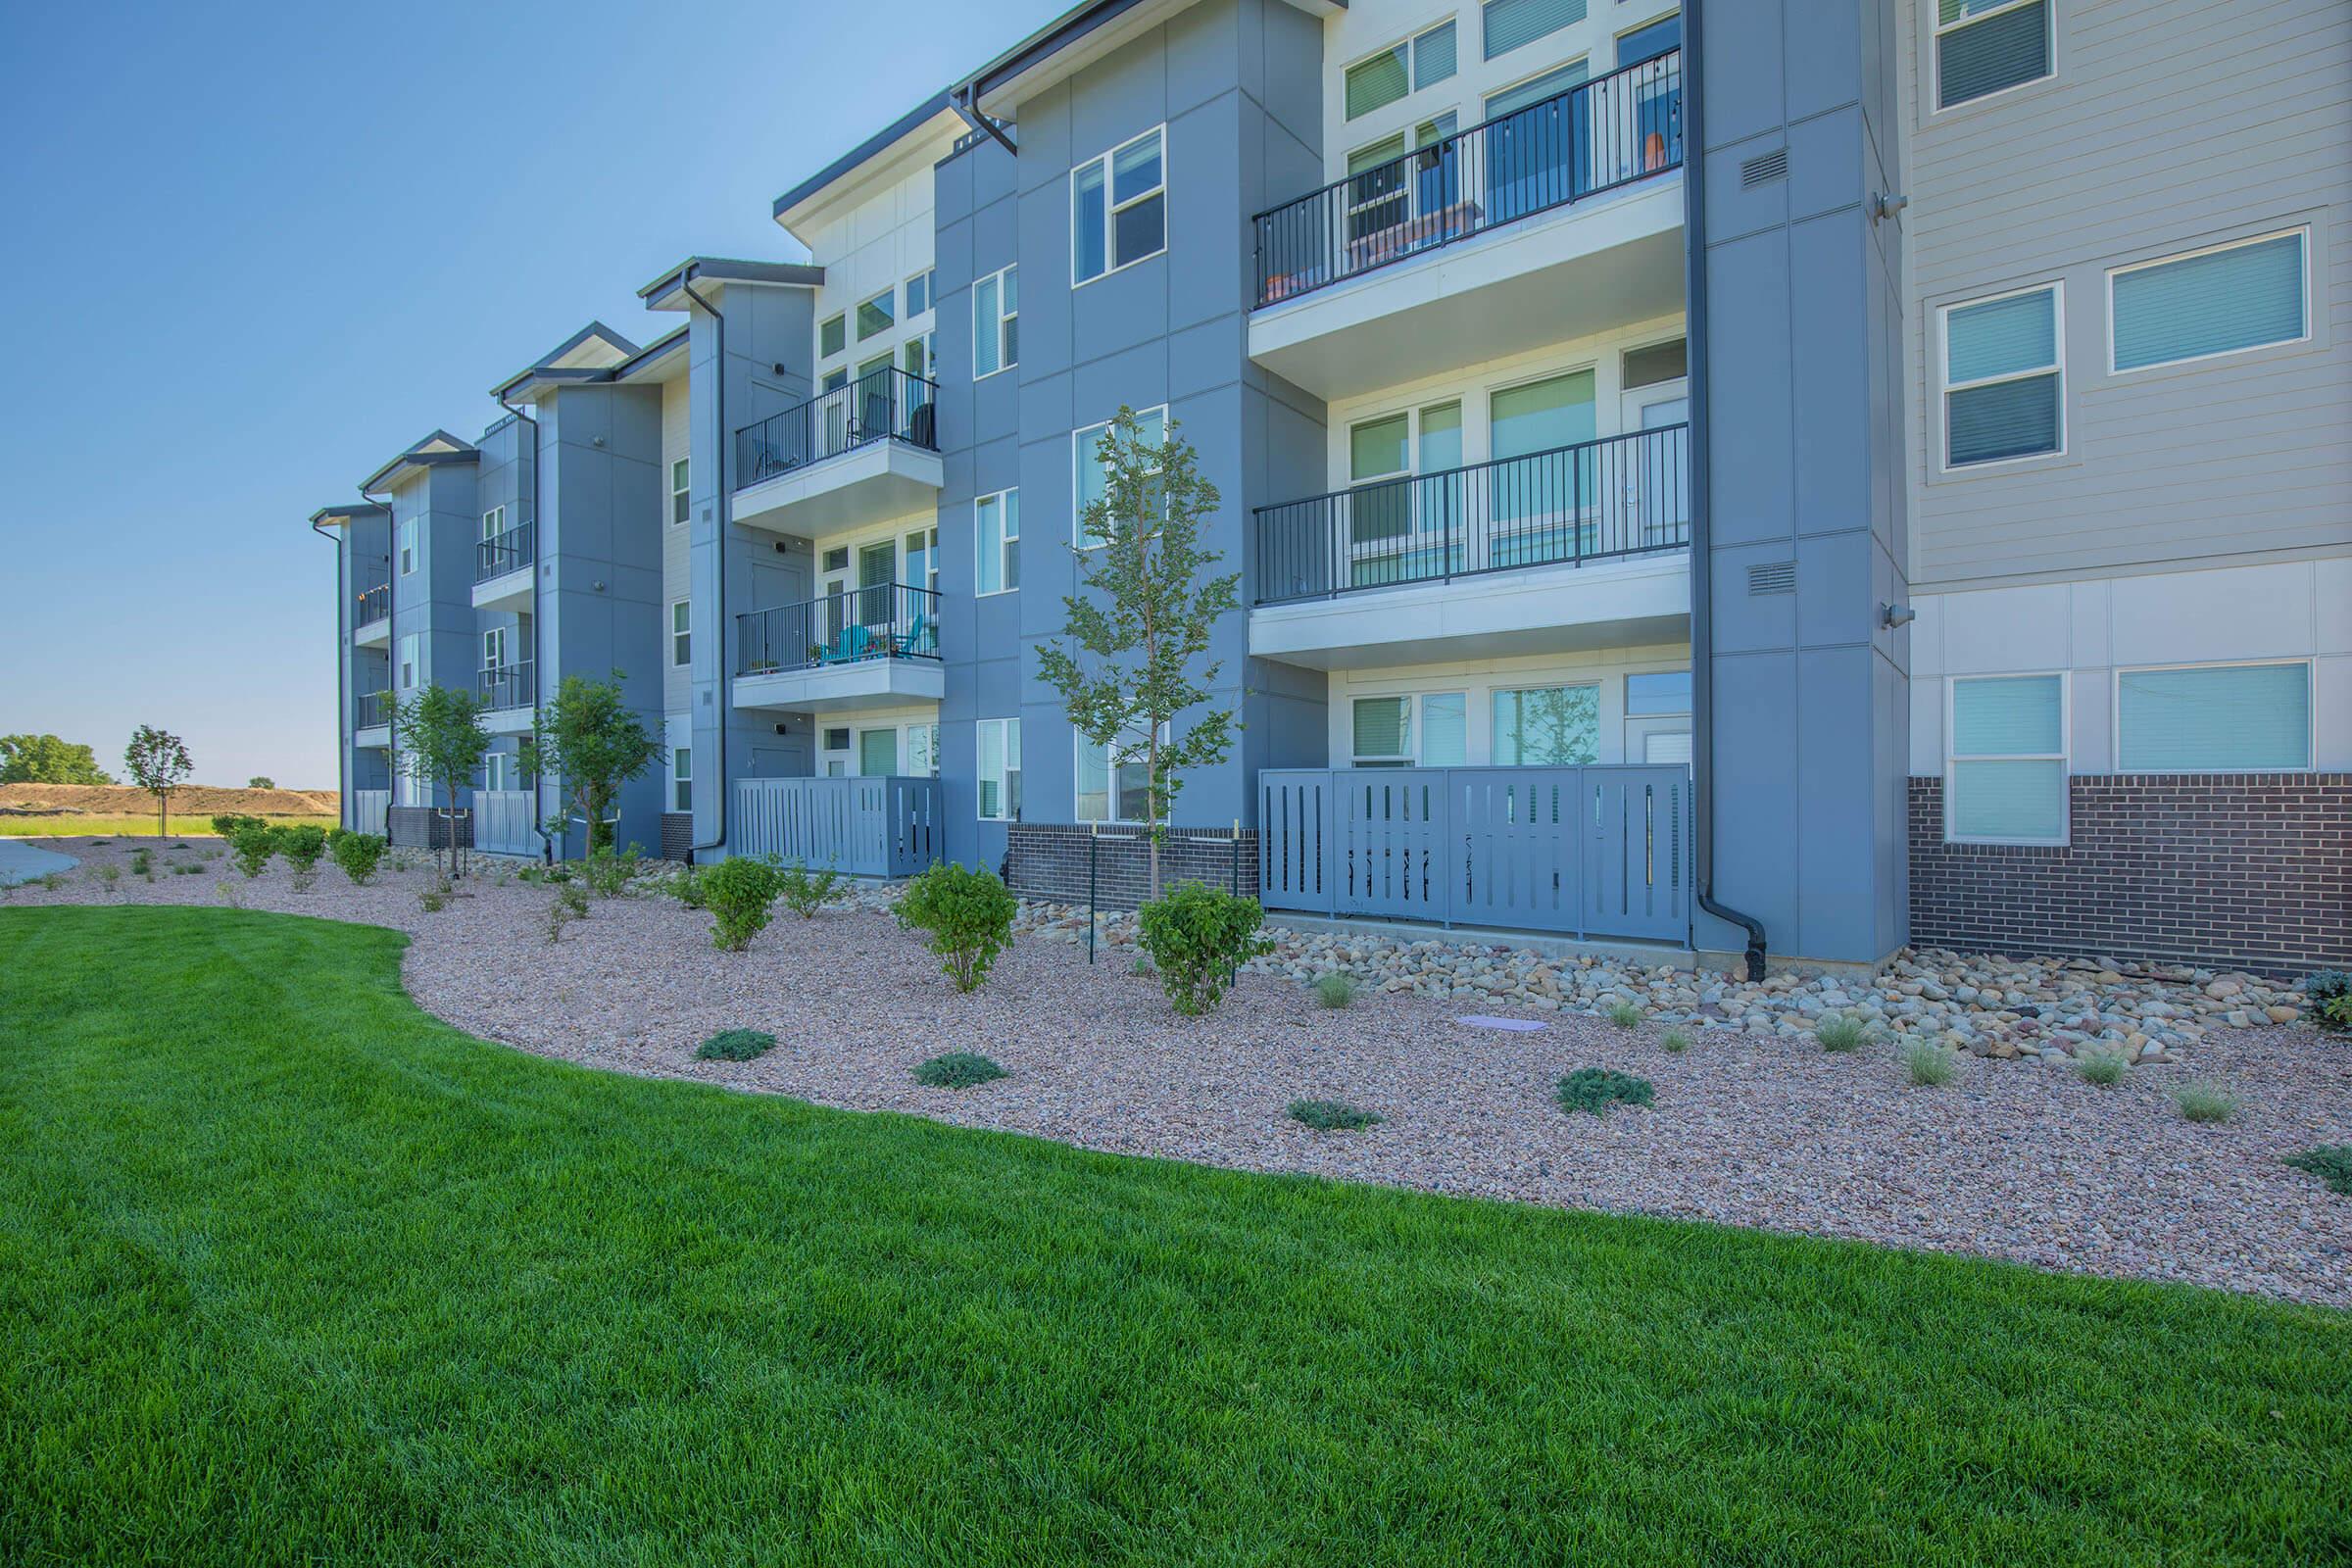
point(1135, 638)
point(441, 730)
point(47, 759)
point(593, 742)
point(157, 762)
point(261, 782)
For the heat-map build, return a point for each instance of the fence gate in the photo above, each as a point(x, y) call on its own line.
point(1597, 851)
point(501, 822)
point(873, 826)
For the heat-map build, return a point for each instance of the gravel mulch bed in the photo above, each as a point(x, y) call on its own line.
point(2010, 1160)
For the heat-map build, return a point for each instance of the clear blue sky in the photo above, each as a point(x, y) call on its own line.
point(254, 251)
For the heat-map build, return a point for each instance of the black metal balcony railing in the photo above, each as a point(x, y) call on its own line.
point(1623, 495)
point(374, 602)
point(500, 554)
point(506, 685)
point(887, 621)
point(1611, 131)
point(883, 405)
point(375, 708)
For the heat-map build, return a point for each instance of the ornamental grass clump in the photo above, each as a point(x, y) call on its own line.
point(1931, 1066)
point(958, 1069)
point(1596, 1089)
point(2105, 1068)
point(1624, 1014)
point(739, 891)
point(968, 914)
point(1334, 1116)
point(1840, 1033)
point(1335, 991)
point(2204, 1103)
point(1198, 936)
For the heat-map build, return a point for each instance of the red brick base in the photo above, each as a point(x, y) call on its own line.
point(2238, 871)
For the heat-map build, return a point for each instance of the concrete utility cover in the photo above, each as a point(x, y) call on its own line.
point(1483, 1021)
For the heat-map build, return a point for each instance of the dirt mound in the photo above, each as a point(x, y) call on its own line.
point(189, 800)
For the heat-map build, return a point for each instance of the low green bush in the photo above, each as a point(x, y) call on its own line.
point(570, 904)
point(252, 845)
point(739, 891)
point(1840, 1033)
point(228, 825)
point(142, 864)
point(1931, 1066)
point(805, 892)
point(684, 885)
point(1332, 1116)
point(608, 873)
point(968, 914)
point(2331, 1163)
point(1595, 1088)
point(735, 1045)
point(357, 853)
point(958, 1069)
point(1198, 936)
point(2203, 1103)
point(1334, 989)
point(300, 845)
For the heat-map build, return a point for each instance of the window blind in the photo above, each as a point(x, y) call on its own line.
point(1377, 82)
point(2001, 51)
point(2005, 716)
point(2239, 298)
point(2233, 718)
point(1434, 55)
point(1381, 726)
point(2017, 801)
point(1512, 22)
point(1444, 730)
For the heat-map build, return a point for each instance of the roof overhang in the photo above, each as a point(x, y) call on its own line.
point(914, 141)
point(586, 355)
point(436, 451)
point(1072, 41)
point(345, 515)
point(669, 291)
point(658, 361)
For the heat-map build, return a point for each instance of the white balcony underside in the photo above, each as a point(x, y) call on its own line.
point(871, 484)
point(508, 721)
point(837, 688)
point(1542, 610)
point(1603, 263)
point(375, 634)
point(372, 737)
point(509, 590)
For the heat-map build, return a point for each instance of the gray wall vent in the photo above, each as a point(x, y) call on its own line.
point(1763, 167)
point(1772, 577)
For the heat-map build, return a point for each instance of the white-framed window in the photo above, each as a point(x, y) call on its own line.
point(920, 355)
point(2201, 305)
point(1119, 207)
point(997, 322)
point(2004, 776)
point(1114, 780)
point(494, 523)
point(922, 751)
point(681, 778)
point(681, 632)
point(2214, 718)
point(1536, 89)
point(1984, 47)
point(2004, 377)
point(1090, 480)
point(408, 662)
point(1380, 79)
point(997, 744)
point(1508, 25)
point(1665, 692)
point(407, 547)
point(494, 648)
point(832, 337)
point(1545, 726)
point(679, 474)
point(878, 751)
point(921, 292)
point(502, 770)
point(876, 315)
point(997, 536)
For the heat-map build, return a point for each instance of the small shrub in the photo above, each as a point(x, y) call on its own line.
point(1595, 1088)
point(434, 896)
point(2325, 985)
point(805, 892)
point(1624, 1014)
point(2203, 1103)
point(229, 894)
point(142, 864)
point(1929, 1066)
point(187, 868)
point(1141, 967)
point(735, 1045)
point(53, 880)
point(958, 1069)
point(300, 845)
point(570, 904)
point(609, 873)
point(253, 845)
point(1198, 936)
point(1837, 1032)
point(1675, 1040)
point(2336, 1013)
point(1330, 1116)
point(357, 854)
point(230, 825)
point(2106, 1068)
point(739, 891)
point(685, 886)
point(1333, 991)
point(107, 875)
point(2331, 1163)
point(968, 914)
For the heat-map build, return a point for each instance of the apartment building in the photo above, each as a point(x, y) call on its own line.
point(1738, 477)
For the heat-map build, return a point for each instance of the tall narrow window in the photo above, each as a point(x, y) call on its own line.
point(2006, 781)
point(2219, 718)
point(494, 523)
point(677, 490)
point(681, 778)
point(407, 547)
point(1444, 729)
point(878, 751)
point(995, 322)
point(832, 337)
point(408, 662)
point(1118, 208)
point(2246, 295)
point(2004, 381)
point(1510, 24)
point(996, 530)
point(998, 748)
point(919, 293)
point(1089, 481)
point(681, 632)
point(1989, 46)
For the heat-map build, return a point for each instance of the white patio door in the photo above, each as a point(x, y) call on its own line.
point(1655, 473)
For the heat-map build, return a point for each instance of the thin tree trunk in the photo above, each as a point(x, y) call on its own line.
point(162, 801)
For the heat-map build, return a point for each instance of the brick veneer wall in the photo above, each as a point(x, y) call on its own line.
point(423, 827)
point(2250, 870)
point(677, 835)
point(1049, 861)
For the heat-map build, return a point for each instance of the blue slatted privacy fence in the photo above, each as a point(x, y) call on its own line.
point(1590, 852)
point(501, 822)
point(368, 809)
point(876, 826)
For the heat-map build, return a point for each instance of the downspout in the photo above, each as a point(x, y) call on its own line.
point(343, 710)
point(718, 413)
point(547, 849)
point(1702, 591)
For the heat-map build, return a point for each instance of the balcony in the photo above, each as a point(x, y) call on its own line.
point(1553, 222)
point(373, 715)
point(507, 692)
point(1579, 547)
point(501, 569)
point(371, 606)
point(868, 646)
point(858, 454)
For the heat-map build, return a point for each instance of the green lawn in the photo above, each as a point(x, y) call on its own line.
point(291, 1273)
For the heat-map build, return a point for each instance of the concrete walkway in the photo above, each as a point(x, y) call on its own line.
point(20, 862)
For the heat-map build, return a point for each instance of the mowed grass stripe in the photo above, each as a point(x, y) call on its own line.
point(291, 1272)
